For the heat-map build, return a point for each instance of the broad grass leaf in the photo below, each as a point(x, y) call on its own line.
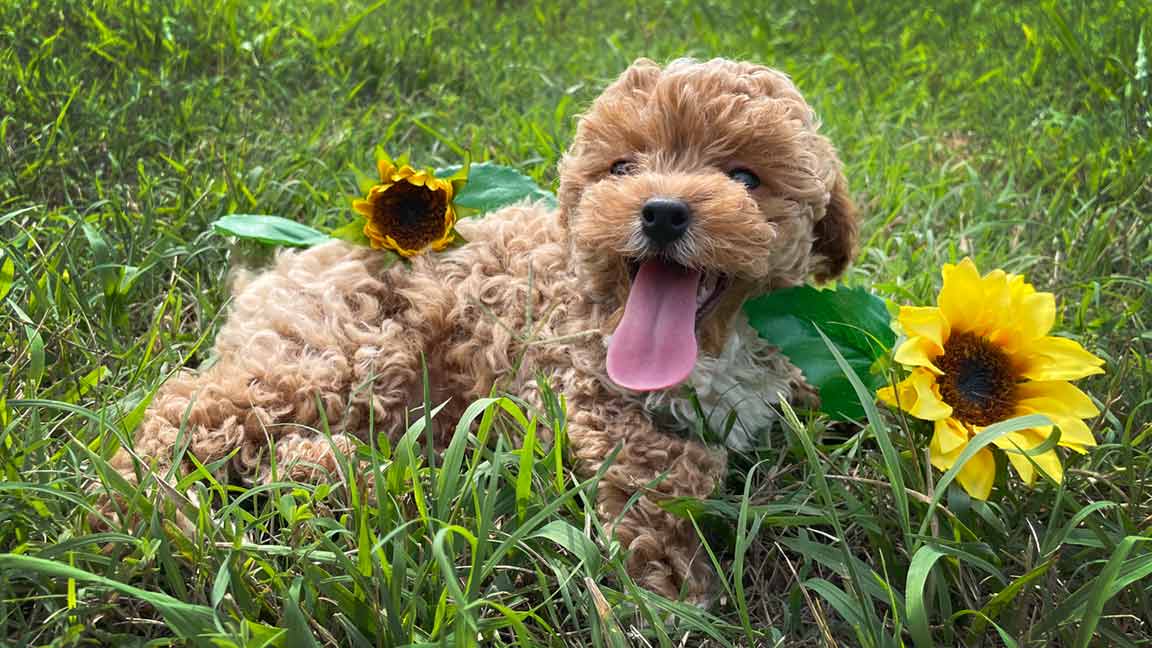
point(840, 601)
point(101, 253)
point(35, 357)
point(572, 539)
point(186, 620)
point(1069, 610)
point(1105, 587)
point(981, 621)
point(975, 445)
point(865, 398)
point(270, 230)
point(524, 474)
point(492, 186)
point(918, 572)
point(856, 322)
point(7, 276)
point(299, 632)
point(1004, 597)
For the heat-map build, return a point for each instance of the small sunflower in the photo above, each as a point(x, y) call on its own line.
point(410, 211)
point(983, 355)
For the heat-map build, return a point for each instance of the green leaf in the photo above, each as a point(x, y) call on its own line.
point(270, 230)
point(491, 186)
point(856, 322)
point(353, 232)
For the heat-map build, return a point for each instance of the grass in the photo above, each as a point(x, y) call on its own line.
point(1017, 134)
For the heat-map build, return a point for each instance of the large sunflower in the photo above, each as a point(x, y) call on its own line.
point(983, 355)
point(410, 211)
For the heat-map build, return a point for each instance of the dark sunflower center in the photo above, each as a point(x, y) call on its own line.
point(978, 380)
point(412, 215)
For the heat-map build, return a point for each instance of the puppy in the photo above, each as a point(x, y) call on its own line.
point(688, 190)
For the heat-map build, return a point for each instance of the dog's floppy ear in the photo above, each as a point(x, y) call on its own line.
point(837, 234)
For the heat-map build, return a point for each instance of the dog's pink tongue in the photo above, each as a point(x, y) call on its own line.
point(654, 347)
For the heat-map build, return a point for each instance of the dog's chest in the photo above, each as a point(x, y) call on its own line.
point(739, 387)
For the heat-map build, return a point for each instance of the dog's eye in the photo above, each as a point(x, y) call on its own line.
point(745, 177)
point(623, 167)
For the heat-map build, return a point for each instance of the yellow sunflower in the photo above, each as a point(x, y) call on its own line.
point(410, 211)
point(983, 355)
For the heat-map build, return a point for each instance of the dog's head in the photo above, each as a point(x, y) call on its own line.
point(689, 189)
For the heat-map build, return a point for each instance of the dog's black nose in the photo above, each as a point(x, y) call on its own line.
point(665, 219)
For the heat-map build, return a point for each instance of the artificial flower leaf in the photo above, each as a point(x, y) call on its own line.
point(269, 230)
point(491, 186)
point(352, 232)
point(857, 322)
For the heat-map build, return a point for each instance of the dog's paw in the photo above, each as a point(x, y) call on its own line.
point(674, 572)
point(112, 511)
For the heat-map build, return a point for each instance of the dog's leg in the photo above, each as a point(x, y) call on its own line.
point(665, 553)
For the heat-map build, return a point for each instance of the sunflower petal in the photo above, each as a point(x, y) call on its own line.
point(918, 395)
point(919, 352)
point(1074, 433)
point(377, 190)
point(950, 434)
point(960, 295)
point(1026, 317)
point(977, 475)
point(995, 302)
point(1013, 441)
point(418, 178)
point(1049, 462)
point(386, 169)
point(1027, 439)
point(887, 395)
point(443, 242)
point(363, 207)
point(926, 322)
point(401, 174)
point(1035, 313)
point(442, 185)
point(939, 458)
point(928, 405)
point(927, 330)
point(1057, 358)
point(1056, 396)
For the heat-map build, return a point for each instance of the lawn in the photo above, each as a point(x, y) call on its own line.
point(1014, 133)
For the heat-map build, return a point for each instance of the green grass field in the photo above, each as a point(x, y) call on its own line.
point(1016, 133)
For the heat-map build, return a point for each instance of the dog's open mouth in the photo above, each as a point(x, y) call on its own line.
point(654, 346)
point(710, 287)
